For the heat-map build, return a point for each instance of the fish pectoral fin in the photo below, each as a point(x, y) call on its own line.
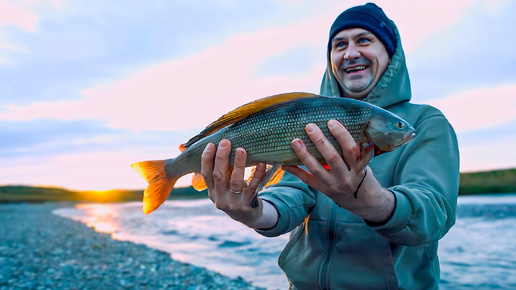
point(198, 182)
point(272, 176)
point(244, 111)
point(366, 154)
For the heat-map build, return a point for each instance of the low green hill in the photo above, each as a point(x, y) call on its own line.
point(42, 194)
point(496, 181)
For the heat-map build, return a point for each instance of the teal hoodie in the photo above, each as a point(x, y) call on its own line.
point(339, 250)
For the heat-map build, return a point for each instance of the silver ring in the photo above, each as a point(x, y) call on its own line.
point(235, 192)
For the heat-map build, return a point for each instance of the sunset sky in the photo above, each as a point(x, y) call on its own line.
point(89, 87)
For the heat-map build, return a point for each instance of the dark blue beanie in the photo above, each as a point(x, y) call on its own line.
point(369, 17)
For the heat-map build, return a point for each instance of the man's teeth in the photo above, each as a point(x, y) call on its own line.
point(360, 67)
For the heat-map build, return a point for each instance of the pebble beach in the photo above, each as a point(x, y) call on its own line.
point(39, 250)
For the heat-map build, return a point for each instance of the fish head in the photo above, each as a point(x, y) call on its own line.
point(388, 131)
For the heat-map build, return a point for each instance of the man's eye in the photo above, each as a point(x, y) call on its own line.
point(363, 40)
point(340, 45)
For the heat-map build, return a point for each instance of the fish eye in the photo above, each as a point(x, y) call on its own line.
point(400, 125)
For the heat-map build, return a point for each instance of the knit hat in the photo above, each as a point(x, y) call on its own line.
point(369, 17)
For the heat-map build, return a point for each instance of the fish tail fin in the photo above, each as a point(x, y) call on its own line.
point(159, 186)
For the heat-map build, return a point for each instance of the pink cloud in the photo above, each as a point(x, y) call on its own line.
point(479, 108)
point(15, 14)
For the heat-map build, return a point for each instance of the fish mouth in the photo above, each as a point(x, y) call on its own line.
point(408, 136)
point(355, 68)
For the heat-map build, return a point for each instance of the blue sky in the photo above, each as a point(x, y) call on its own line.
point(88, 88)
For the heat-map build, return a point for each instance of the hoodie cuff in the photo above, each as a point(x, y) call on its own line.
point(400, 217)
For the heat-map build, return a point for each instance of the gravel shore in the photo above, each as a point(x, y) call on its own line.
point(39, 250)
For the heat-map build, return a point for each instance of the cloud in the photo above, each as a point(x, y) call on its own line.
point(14, 14)
point(488, 154)
point(99, 170)
point(416, 20)
point(88, 170)
point(465, 55)
point(479, 108)
point(192, 91)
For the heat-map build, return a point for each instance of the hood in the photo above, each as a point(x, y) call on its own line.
point(393, 87)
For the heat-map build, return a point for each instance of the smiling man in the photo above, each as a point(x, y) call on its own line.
point(358, 61)
point(377, 228)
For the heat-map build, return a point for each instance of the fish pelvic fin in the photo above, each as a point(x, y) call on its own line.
point(307, 218)
point(244, 111)
point(159, 186)
point(198, 182)
point(272, 175)
point(275, 178)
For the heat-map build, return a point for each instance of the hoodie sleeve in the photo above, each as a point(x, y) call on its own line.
point(293, 199)
point(426, 186)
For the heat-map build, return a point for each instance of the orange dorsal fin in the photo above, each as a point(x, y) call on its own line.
point(246, 110)
point(276, 177)
point(182, 147)
point(198, 182)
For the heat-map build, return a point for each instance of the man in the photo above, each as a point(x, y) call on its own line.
point(386, 237)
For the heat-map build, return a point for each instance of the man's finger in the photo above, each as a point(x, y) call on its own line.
point(350, 150)
point(207, 160)
point(237, 176)
point(330, 154)
point(309, 161)
point(221, 166)
point(304, 176)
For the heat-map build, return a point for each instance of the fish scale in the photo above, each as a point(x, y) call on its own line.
point(271, 131)
point(265, 129)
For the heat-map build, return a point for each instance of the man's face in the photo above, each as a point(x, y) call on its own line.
point(358, 61)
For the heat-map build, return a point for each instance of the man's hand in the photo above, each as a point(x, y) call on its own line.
point(345, 176)
point(226, 186)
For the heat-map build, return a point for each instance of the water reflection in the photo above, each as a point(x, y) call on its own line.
point(103, 218)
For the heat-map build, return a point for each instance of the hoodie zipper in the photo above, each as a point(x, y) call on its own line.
point(325, 267)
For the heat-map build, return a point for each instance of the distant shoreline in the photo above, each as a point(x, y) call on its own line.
point(487, 182)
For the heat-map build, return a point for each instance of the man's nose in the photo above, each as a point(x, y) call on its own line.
point(352, 52)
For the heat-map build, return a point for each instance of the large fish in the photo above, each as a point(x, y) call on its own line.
point(265, 128)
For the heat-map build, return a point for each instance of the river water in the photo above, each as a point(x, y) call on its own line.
point(479, 252)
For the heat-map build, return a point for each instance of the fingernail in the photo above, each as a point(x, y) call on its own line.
point(332, 123)
point(310, 128)
point(223, 143)
point(207, 148)
point(296, 144)
point(239, 152)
